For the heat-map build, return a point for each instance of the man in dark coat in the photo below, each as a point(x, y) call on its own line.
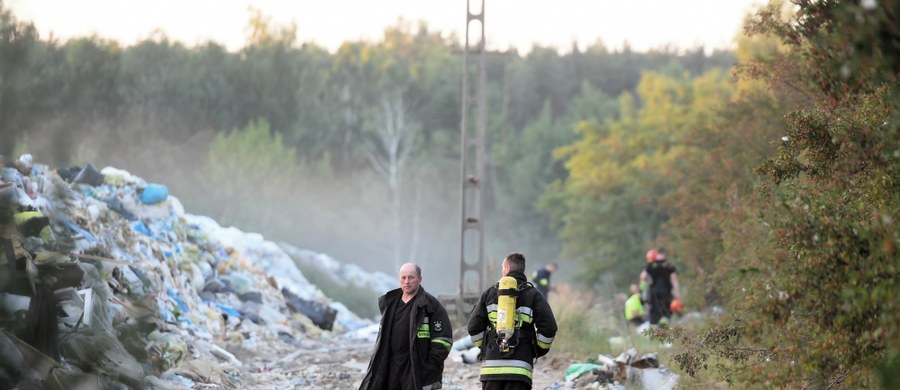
point(664, 287)
point(414, 338)
point(541, 278)
point(535, 330)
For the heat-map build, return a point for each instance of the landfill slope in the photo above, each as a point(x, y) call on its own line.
point(108, 282)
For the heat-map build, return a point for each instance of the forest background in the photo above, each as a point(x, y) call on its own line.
point(769, 173)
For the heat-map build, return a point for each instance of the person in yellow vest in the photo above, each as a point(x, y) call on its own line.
point(634, 309)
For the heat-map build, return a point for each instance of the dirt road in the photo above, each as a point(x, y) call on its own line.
point(340, 363)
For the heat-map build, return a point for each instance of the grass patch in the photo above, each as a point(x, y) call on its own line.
point(581, 330)
point(589, 326)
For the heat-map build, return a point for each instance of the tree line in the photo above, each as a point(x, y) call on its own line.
point(357, 145)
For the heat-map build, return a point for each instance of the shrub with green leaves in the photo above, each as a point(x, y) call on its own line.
point(820, 308)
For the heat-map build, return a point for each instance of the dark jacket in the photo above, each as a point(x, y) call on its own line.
point(430, 341)
point(660, 272)
point(541, 280)
point(536, 330)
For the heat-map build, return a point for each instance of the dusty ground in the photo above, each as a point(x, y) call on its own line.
point(340, 363)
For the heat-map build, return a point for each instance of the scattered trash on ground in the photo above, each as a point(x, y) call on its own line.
point(628, 370)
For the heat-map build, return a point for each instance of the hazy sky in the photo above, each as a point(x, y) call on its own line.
point(645, 24)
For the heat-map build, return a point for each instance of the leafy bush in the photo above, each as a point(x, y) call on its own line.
point(820, 308)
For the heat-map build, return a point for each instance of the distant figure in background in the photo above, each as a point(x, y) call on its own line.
point(414, 338)
point(645, 292)
point(663, 287)
point(541, 278)
point(634, 309)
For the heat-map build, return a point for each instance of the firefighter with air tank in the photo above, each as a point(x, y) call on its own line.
point(513, 325)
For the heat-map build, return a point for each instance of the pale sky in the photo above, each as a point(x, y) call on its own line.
point(644, 24)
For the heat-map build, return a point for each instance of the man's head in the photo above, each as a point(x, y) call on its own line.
point(410, 278)
point(635, 289)
point(660, 254)
point(513, 262)
point(651, 255)
point(552, 267)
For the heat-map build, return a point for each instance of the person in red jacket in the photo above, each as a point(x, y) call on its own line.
point(414, 339)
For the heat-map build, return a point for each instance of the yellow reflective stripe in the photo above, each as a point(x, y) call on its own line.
point(544, 282)
point(442, 341)
point(505, 370)
point(424, 331)
point(477, 339)
point(543, 341)
point(492, 312)
point(523, 318)
point(524, 314)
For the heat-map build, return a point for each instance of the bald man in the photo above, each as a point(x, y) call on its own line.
point(414, 338)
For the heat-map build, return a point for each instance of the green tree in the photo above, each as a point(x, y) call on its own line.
point(269, 74)
point(18, 43)
point(837, 171)
point(621, 172)
point(520, 170)
point(523, 167)
point(245, 166)
point(819, 307)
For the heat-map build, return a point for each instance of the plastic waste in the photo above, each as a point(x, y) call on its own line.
point(154, 193)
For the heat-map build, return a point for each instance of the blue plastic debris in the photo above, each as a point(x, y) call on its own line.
point(154, 193)
point(228, 310)
point(141, 227)
point(181, 305)
point(83, 233)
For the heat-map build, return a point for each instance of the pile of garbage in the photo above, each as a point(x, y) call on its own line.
point(626, 370)
point(106, 282)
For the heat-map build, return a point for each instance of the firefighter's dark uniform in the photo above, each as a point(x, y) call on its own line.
point(660, 272)
point(541, 280)
point(430, 338)
point(535, 330)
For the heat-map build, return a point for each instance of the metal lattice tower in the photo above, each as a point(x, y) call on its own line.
point(472, 162)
